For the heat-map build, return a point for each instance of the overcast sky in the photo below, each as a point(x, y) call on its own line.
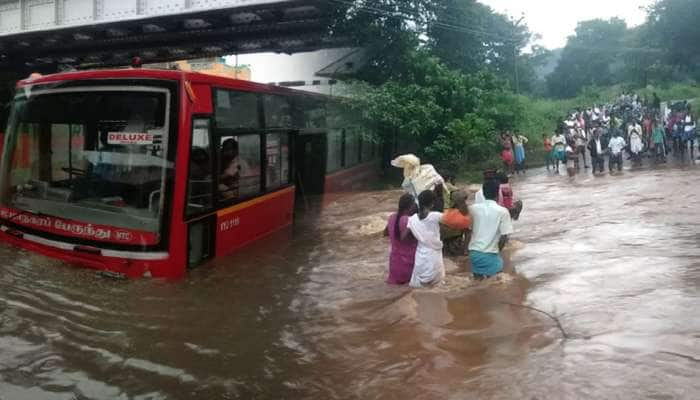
point(555, 20)
point(271, 67)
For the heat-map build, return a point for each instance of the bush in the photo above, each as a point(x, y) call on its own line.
point(454, 118)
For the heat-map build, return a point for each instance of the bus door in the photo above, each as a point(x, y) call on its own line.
point(200, 213)
point(310, 162)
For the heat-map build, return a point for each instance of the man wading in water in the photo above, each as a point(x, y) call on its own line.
point(491, 225)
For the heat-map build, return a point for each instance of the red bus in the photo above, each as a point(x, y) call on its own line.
point(148, 172)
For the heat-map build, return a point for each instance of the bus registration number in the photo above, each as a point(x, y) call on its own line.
point(229, 224)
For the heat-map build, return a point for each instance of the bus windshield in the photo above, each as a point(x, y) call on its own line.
point(95, 155)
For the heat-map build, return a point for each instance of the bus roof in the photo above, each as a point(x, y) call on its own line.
point(164, 74)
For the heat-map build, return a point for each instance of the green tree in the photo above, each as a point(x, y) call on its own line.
point(469, 36)
point(387, 30)
point(591, 57)
point(673, 27)
point(452, 117)
point(465, 34)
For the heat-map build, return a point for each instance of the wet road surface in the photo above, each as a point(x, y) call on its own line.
point(306, 314)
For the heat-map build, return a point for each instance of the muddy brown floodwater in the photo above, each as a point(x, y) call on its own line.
point(305, 314)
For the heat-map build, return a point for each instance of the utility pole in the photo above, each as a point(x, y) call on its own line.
point(515, 56)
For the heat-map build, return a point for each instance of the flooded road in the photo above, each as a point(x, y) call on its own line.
point(306, 314)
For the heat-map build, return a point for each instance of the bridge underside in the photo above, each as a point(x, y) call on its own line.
point(285, 27)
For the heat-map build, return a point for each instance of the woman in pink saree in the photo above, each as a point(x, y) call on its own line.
point(403, 244)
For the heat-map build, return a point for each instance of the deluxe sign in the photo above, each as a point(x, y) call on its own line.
point(123, 138)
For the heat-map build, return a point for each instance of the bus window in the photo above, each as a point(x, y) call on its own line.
point(277, 111)
point(200, 196)
point(236, 110)
point(239, 167)
point(66, 138)
point(314, 113)
point(277, 160)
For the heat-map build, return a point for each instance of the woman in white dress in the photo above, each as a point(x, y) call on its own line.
point(636, 143)
point(425, 227)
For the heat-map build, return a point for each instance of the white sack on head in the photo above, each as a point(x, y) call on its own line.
point(417, 178)
point(426, 178)
point(409, 162)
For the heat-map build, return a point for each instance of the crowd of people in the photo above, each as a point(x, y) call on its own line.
point(630, 128)
point(434, 217)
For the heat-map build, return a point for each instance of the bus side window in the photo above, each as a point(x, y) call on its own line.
point(277, 160)
point(236, 110)
point(200, 196)
point(278, 111)
point(239, 167)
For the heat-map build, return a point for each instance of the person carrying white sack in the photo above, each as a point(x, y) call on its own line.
point(418, 178)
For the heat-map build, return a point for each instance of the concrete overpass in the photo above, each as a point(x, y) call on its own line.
point(50, 35)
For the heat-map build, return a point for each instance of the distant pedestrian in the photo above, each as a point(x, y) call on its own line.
point(597, 148)
point(548, 148)
point(658, 142)
point(689, 133)
point(636, 145)
point(678, 128)
point(580, 145)
point(615, 146)
point(519, 142)
point(571, 161)
point(559, 143)
point(507, 152)
point(633, 128)
point(647, 128)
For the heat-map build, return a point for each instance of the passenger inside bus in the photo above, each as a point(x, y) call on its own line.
point(230, 170)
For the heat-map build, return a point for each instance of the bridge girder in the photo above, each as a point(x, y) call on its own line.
point(245, 26)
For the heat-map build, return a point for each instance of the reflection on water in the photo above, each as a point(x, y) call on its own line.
point(306, 314)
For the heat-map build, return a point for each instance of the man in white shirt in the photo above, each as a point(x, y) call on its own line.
point(491, 225)
point(689, 133)
point(479, 197)
point(616, 145)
